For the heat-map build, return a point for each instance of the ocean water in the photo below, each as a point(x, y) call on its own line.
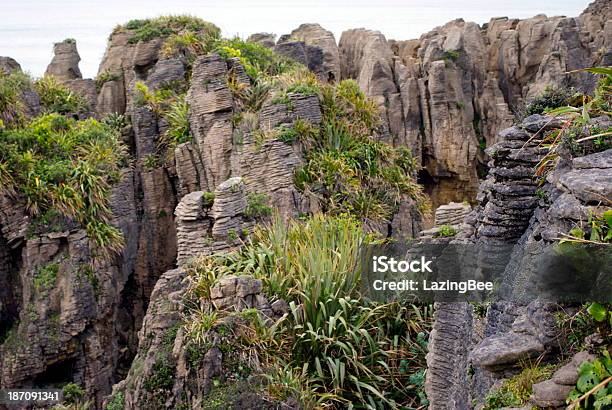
point(28, 28)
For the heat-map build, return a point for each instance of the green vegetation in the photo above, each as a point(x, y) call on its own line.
point(446, 231)
point(349, 170)
point(257, 206)
point(164, 26)
point(167, 102)
point(115, 121)
point(11, 107)
point(335, 347)
point(66, 165)
point(577, 116)
point(177, 116)
point(190, 44)
point(46, 276)
point(116, 402)
point(105, 77)
point(257, 60)
point(208, 198)
point(549, 99)
point(73, 393)
point(515, 392)
point(232, 235)
point(55, 97)
point(162, 377)
point(451, 55)
point(86, 271)
point(594, 386)
point(598, 230)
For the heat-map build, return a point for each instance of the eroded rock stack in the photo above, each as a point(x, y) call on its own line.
point(514, 212)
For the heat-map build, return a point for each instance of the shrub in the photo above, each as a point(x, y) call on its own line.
point(516, 391)
point(69, 166)
point(115, 121)
point(116, 402)
point(162, 377)
point(55, 97)
point(550, 98)
point(594, 386)
point(12, 108)
point(348, 350)
point(348, 168)
point(164, 26)
point(73, 393)
point(177, 116)
point(190, 44)
point(46, 276)
point(257, 60)
point(208, 198)
point(446, 231)
point(257, 206)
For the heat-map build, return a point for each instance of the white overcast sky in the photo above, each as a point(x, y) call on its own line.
point(28, 28)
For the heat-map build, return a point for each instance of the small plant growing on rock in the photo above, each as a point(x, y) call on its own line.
point(208, 198)
point(116, 402)
point(232, 235)
point(177, 116)
point(46, 276)
point(150, 161)
point(257, 206)
point(73, 393)
point(594, 386)
point(115, 121)
point(516, 391)
point(105, 77)
point(446, 231)
point(162, 377)
point(551, 98)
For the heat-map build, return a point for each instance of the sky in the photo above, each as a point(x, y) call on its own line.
point(28, 28)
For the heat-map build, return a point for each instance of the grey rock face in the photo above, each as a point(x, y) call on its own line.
point(205, 226)
point(65, 63)
point(8, 65)
point(456, 87)
point(210, 108)
point(265, 39)
point(315, 35)
point(447, 380)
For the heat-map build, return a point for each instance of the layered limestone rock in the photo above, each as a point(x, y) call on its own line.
point(64, 315)
point(514, 213)
point(65, 68)
point(65, 63)
point(170, 371)
point(452, 214)
point(448, 94)
point(210, 111)
point(8, 65)
point(315, 35)
point(265, 39)
point(211, 222)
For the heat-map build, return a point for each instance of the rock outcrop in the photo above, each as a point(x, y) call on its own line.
point(514, 212)
point(315, 35)
point(65, 63)
point(448, 94)
point(445, 96)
